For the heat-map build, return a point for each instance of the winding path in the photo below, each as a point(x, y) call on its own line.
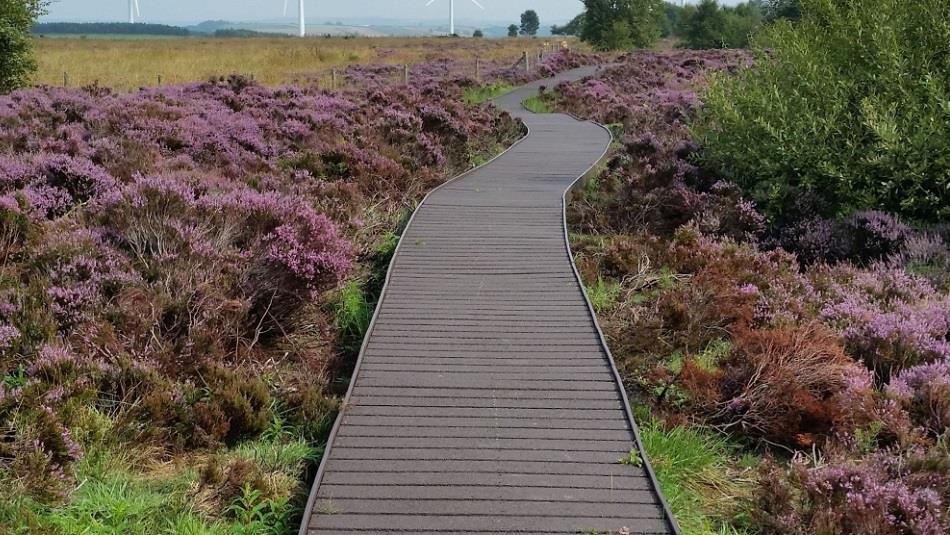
point(485, 400)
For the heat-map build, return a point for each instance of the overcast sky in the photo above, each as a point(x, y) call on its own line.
point(317, 10)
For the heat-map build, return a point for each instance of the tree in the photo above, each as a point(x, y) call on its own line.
point(571, 28)
point(513, 30)
point(705, 26)
point(16, 43)
point(478, 33)
point(615, 24)
point(530, 23)
point(783, 9)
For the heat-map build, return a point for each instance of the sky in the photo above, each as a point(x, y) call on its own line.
point(192, 11)
point(317, 10)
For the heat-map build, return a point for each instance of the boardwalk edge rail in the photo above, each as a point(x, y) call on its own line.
point(312, 498)
point(647, 466)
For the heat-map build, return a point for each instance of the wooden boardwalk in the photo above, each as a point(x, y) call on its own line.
point(484, 400)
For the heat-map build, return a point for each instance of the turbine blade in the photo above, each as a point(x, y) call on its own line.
point(137, 12)
point(285, 7)
point(479, 5)
point(430, 3)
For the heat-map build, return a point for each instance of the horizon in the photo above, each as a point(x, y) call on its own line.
point(186, 12)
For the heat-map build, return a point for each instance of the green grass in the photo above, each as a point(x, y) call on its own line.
point(113, 497)
point(124, 489)
point(536, 104)
point(694, 469)
point(352, 310)
point(474, 96)
point(603, 294)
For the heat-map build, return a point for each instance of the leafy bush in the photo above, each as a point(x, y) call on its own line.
point(845, 110)
point(16, 43)
point(836, 351)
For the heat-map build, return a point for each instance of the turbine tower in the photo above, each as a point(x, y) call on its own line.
point(452, 13)
point(133, 10)
point(301, 20)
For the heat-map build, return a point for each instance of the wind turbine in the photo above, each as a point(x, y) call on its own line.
point(133, 11)
point(452, 13)
point(300, 17)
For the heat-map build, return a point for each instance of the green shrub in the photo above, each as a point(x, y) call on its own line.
point(847, 109)
point(16, 43)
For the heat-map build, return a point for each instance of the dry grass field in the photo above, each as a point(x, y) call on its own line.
point(127, 64)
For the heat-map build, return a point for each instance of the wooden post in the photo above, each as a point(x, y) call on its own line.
point(65, 79)
point(333, 80)
point(405, 77)
point(527, 64)
point(478, 70)
point(159, 79)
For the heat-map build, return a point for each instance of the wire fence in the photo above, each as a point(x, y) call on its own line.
point(368, 76)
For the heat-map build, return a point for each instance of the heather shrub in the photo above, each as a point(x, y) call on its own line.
point(166, 258)
point(866, 127)
point(888, 318)
point(863, 237)
point(886, 492)
point(924, 391)
point(652, 182)
point(789, 385)
point(927, 254)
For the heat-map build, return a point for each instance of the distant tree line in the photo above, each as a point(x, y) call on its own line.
point(107, 28)
point(236, 32)
point(620, 24)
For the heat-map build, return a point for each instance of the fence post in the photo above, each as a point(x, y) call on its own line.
point(478, 70)
point(65, 79)
point(405, 76)
point(159, 79)
point(527, 64)
point(333, 80)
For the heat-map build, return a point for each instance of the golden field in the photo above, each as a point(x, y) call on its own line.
point(130, 63)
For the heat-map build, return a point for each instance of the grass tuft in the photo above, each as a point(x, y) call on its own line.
point(603, 294)
point(536, 104)
point(695, 471)
point(474, 96)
